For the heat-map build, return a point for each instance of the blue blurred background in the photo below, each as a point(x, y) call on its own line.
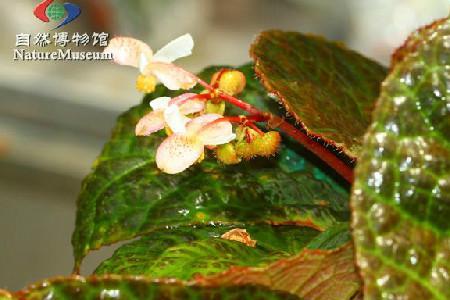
point(55, 116)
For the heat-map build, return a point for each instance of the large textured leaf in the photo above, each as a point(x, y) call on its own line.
point(126, 195)
point(182, 252)
point(130, 288)
point(312, 275)
point(401, 196)
point(329, 89)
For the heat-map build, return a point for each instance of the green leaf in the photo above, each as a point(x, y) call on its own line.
point(130, 288)
point(312, 274)
point(183, 252)
point(333, 238)
point(328, 89)
point(126, 195)
point(401, 196)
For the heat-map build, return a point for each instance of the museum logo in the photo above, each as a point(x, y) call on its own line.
point(63, 13)
point(60, 46)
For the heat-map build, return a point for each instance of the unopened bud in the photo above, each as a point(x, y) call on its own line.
point(232, 82)
point(146, 84)
point(227, 154)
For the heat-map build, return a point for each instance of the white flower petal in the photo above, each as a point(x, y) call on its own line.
point(173, 77)
point(175, 120)
point(195, 125)
point(151, 122)
point(192, 106)
point(177, 153)
point(129, 52)
point(179, 47)
point(217, 133)
point(160, 103)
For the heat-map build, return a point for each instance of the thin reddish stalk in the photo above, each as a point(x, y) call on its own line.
point(241, 104)
point(317, 149)
point(232, 100)
point(254, 127)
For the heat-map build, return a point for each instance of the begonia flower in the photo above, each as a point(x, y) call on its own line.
point(181, 150)
point(135, 53)
point(170, 112)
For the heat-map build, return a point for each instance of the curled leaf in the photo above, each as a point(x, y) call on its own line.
point(239, 235)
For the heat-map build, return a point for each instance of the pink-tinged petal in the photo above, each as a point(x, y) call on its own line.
point(177, 153)
point(173, 77)
point(175, 120)
point(179, 47)
point(129, 52)
point(183, 98)
point(188, 103)
point(196, 124)
point(160, 103)
point(151, 122)
point(192, 106)
point(217, 133)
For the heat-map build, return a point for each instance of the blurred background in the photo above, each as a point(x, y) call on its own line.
point(55, 116)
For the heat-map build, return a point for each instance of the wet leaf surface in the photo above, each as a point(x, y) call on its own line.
point(312, 274)
point(183, 252)
point(328, 89)
point(126, 195)
point(401, 196)
point(130, 288)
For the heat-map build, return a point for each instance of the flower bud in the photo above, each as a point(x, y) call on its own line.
point(232, 82)
point(146, 84)
point(227, 154)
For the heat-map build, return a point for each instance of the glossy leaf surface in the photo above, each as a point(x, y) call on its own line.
point(131, 288)
point(312, 275)
point(183, 252)
point(126, 195)
point(401, 196)
point(330, 90)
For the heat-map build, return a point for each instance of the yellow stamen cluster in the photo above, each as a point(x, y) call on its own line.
point(227, 154)
point(215, 107)
point(249, 144)
point(146, 84)
point(266, 145)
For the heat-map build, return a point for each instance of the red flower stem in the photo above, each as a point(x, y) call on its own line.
point(232, 100)
point(317, 149)
point(241, 104)
point(205, 84)
point(254, 127)
point(203, 97)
